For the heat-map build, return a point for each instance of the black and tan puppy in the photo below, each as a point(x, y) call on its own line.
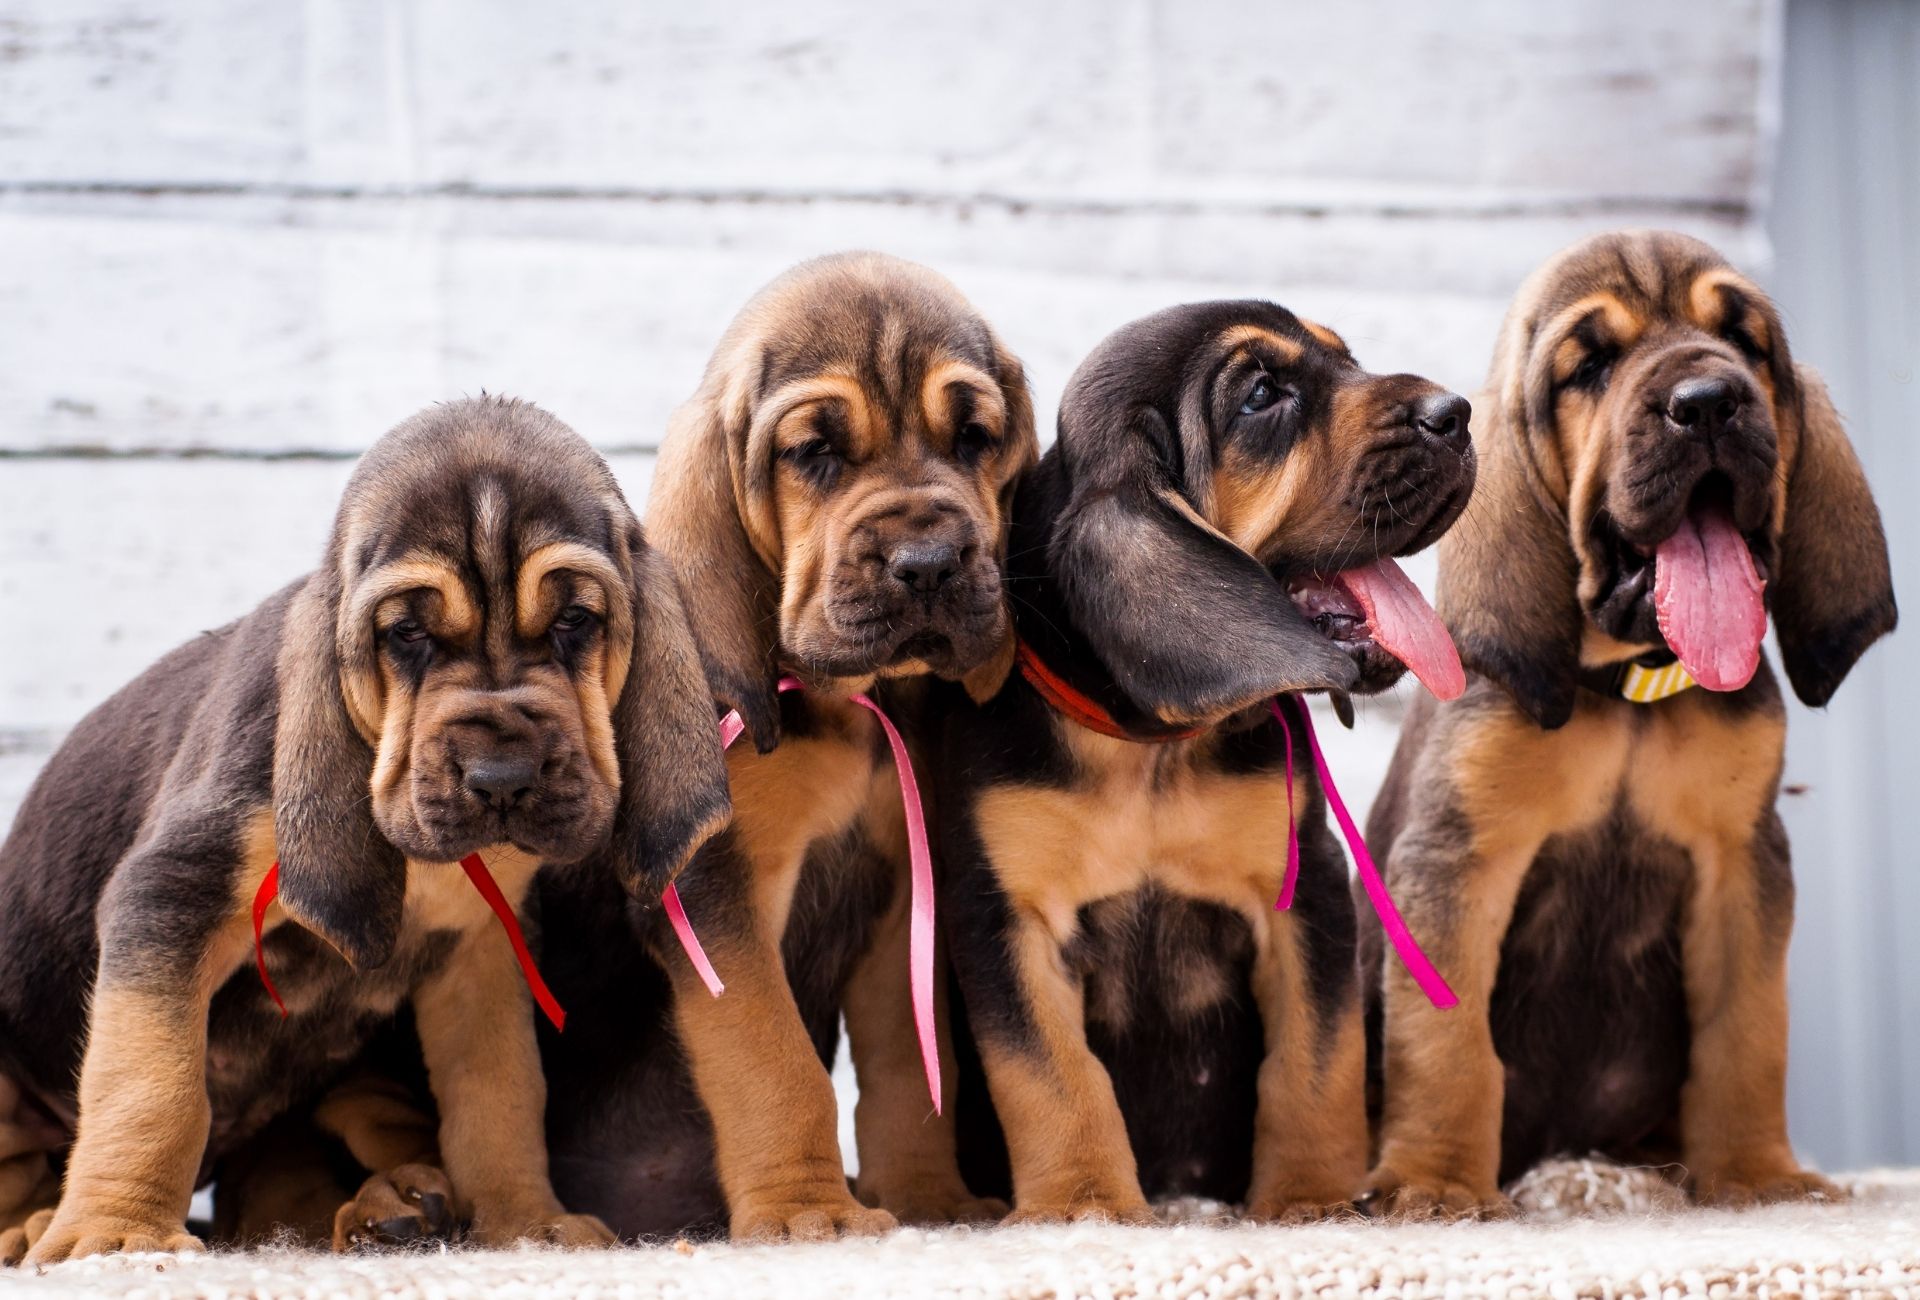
point(489, 660)
point(832, 497)
point(1586, 840)
point(1212, 530)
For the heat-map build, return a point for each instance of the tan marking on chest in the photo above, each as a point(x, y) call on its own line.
point(440, 897)
point(1685, 769)
point(807, 789)
point(1138, 814)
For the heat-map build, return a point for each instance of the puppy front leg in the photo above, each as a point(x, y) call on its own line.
point(144, 1118)
point(908, 1164)
point(1733, 1120)
point(1066, 1138)
point(775, 1121)
point(1310, 1126)
point(1445, 1086)
point(475, 1019)
point(144, 1115)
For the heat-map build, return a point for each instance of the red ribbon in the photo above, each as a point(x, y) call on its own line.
point(483, 881)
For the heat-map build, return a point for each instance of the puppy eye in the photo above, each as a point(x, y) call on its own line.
point(1264, 393)
point(409, 630)
point(572, 617)
point(973, 443)
point(814, 452)
point(1592, 371)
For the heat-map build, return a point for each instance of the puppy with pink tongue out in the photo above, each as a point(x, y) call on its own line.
point(1586, 839)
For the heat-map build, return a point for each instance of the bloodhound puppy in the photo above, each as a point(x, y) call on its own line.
point(490, 660)
point(833, 498)
point(1210, 535)
point(1587, 838)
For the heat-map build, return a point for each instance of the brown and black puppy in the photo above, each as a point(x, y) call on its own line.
point(832, 497)
point(1211, 531)
point(489, 660)
point(1586, 841)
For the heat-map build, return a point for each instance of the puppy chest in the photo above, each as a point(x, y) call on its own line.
point(1192, 833)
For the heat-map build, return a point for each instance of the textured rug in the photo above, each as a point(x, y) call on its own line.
point(1588, 1231)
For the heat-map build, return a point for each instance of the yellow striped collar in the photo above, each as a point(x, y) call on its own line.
point(1639, 683)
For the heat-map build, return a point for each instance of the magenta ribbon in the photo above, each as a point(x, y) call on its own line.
point(920, 935)
point(1430, 980)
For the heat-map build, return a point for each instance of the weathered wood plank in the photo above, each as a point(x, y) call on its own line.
point(195, 328)
point(1139, 100)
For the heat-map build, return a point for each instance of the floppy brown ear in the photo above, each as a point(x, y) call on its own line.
point(339, 876)
point(1508, 588)
point(1833, 596)
point(732, 598)
point(1021, 450)
point(673, 778)
point(1190, 626)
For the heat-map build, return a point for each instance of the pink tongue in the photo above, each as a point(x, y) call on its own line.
point(1406, 627)
point(1706, 594)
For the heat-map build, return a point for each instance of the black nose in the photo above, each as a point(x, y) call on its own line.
point(501, 782)
point(1442, 415)
point(924, 567)
point(1703, 405)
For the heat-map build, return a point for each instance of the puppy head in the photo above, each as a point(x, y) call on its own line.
point(491, 655)
point(1235, 481)
point(835, 492)
point(1664, 463)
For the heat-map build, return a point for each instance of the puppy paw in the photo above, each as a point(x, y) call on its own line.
point(931, 1203)
point(1392, 1195)
point(1119, 1208)
point(17, 1241)
point(821, 1216)
point(573, 1231)
point(406, 1206)
point(1740, 1188)
point(1290, 1209)
point(81, 1235)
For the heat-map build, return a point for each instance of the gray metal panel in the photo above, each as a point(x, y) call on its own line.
point(1845, 220)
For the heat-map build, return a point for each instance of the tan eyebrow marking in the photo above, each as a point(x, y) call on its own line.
point(1324, 334)
point(573, 557)
point(1241, 336)
point(1708, 304)
point(828, 386)
point(1620, 322)
point(414, 572)
point(988, 403)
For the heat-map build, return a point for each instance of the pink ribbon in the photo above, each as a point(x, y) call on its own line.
point(920, 934)
point(1430, 980)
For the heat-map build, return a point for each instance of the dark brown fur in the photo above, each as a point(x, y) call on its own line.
point(343, 728)
point(1146, 1022)
point(1606, 884)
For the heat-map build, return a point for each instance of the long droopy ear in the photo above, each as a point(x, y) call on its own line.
point(339, 876)
point(1190, 626)
point(1509, 579)
point(1833, 596)
point(1021, 442)
point(1508, 588)
point(673, 778)
point(694, 516)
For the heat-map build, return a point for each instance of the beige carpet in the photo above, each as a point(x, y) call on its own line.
point(1867, 1249)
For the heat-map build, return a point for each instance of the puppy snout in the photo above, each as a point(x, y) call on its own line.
point(1442, 416)
point(923, 567)
point(500, 782)
point(1704, 405)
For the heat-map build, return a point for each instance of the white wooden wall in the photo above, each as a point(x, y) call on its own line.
point(240, 238)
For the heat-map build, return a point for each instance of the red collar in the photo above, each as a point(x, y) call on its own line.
point(1077, 706)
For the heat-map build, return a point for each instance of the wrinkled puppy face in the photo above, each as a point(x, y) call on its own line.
point(1661, 375)
point(1321, 468)
point(882, 441)
point(485, 627)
